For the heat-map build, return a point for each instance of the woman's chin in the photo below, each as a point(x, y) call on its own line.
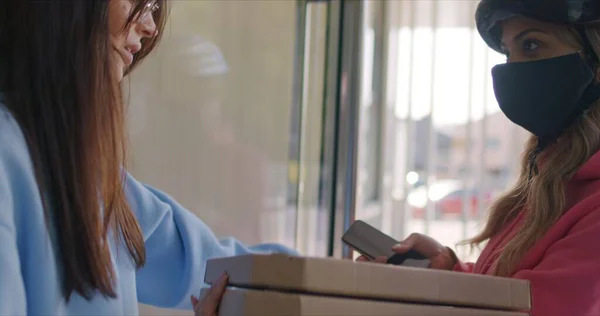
point(118, 74)
point(118, 68)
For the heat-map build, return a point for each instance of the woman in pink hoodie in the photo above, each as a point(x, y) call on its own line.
point(545, 227)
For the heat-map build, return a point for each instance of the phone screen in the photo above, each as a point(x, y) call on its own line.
point(369, 241)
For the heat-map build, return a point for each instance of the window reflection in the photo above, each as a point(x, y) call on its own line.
point(210, 115)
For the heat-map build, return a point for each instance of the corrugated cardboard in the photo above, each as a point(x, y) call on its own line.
point(267, 303)
point(346, 278)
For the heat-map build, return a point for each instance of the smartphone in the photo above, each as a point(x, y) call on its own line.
point(372, 243)
point(369, 241)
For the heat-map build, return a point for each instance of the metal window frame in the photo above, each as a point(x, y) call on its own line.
point(306, 218)
point(341, 98)
point(343, 200)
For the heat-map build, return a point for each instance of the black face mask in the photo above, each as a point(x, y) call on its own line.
point(545, 96)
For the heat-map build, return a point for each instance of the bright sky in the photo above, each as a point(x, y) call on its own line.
point(450, 83)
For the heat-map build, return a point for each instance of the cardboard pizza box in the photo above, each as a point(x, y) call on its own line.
point(345, 278)
point(243, 302)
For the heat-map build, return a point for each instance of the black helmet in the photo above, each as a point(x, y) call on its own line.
point(571, 12)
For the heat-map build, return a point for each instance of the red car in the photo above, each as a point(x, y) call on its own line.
point(449, 198)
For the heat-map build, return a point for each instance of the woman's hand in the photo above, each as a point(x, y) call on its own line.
point(208, 305)
point(442, 258)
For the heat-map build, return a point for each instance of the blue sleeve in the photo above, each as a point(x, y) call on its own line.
point(12, 288)
point(178, 244)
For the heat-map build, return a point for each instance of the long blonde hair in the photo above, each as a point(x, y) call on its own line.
point(543, 196)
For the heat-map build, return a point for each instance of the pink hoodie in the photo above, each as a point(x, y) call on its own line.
point(564, 266)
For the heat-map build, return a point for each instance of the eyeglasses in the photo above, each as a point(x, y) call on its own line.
point(150, 8)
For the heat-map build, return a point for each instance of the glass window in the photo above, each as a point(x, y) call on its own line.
point(453, 148)
point(369, 185)
point(210, 117)
point(370, 107)
point(492, 143)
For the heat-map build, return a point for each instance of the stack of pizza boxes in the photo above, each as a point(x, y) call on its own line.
point(280, 285)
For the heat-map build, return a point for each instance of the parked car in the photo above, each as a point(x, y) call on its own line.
point(448, 197)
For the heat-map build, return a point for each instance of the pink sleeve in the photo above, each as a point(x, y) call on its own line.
point(567, 279)
point(460, 266)
point(466, 267)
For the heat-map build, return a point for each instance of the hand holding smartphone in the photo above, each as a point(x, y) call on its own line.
point(372, 243)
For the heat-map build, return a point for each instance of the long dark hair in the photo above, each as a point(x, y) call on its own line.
point(55, 70)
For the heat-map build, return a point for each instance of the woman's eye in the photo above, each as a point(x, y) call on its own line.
point(530, 46)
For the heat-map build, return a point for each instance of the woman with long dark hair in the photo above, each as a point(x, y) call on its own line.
point(78, 234)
